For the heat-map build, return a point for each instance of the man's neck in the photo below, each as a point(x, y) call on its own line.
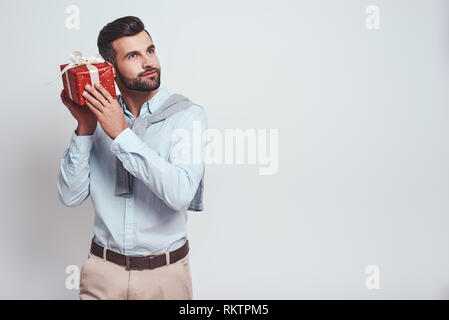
point(135, 99)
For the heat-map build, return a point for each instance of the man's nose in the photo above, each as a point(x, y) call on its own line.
point(147, 62)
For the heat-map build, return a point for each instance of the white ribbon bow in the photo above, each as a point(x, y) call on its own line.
point(78, 59)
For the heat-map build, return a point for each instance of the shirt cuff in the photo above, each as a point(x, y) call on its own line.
point(81, 144)
point(125, 141)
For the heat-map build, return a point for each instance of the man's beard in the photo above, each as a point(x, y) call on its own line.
point(140, 84)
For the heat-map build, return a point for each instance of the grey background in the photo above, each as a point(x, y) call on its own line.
point(362, 117)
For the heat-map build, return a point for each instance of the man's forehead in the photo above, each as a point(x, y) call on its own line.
point(140, 41)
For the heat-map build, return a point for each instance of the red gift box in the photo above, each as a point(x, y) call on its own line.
point(74, 79)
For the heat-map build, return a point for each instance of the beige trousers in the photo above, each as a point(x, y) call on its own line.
point(101, 279)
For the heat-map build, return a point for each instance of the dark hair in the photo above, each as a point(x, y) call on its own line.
point(121, 27)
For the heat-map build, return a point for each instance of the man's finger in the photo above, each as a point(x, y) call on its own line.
point(93, 101)
point(104, 92)
point(65, 101)
point(93, 109)
point(96, 94)
point(63, 95)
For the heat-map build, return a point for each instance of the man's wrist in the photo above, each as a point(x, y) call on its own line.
point(80, 131)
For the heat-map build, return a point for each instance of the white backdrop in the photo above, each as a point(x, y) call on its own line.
point(362, 117)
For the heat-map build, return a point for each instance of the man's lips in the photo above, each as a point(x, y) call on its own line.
point(150, 74)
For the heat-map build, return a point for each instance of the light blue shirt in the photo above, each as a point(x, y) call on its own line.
point(154, 219)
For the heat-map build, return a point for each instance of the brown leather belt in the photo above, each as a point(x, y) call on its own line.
point(140, 262)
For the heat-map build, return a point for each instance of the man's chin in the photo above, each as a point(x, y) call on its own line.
point(145, 88)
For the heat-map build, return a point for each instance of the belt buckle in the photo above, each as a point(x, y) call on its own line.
point(128, 263)
point(151, 257)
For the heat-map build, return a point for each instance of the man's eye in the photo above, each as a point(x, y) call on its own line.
point(131, 55)
point(151, 50)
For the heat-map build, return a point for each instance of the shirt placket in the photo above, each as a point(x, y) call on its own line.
point(128, 244)
point(129, 224)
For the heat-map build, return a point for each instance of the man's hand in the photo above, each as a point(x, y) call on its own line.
point(87, 121)
point(107, 110)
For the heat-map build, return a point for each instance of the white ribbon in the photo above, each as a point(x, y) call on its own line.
point(77, 59)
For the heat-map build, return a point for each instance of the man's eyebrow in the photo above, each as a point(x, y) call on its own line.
point(152, 46)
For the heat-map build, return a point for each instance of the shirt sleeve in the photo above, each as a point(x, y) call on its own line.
point(175, 180)
point(73, 177)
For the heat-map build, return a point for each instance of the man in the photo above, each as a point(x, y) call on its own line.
point(140, 195)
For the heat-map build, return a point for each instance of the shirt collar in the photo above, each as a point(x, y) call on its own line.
point(149, 106)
